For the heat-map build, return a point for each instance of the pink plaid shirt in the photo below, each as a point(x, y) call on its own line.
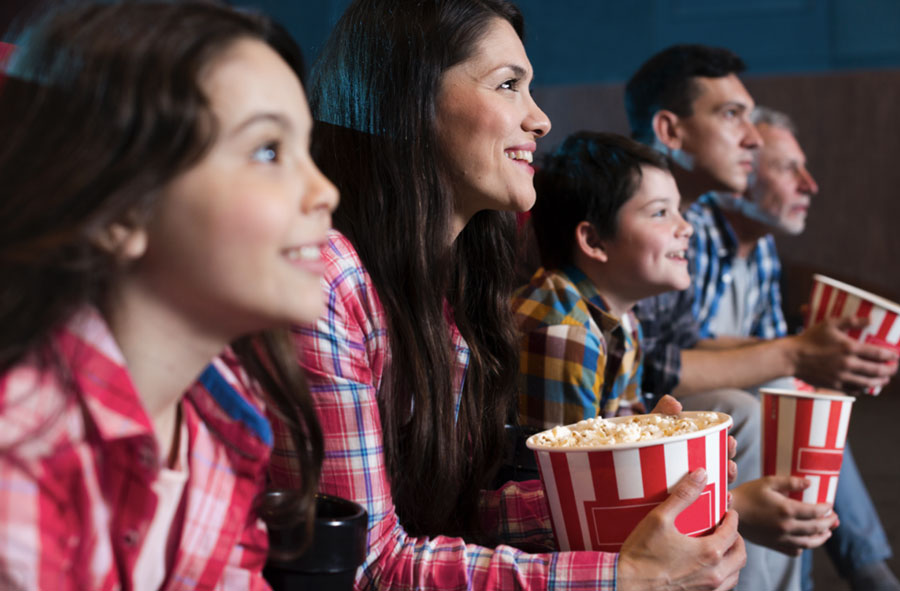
point(78, 460)
point(344, 356)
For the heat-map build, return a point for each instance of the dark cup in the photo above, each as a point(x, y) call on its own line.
point(330, 561)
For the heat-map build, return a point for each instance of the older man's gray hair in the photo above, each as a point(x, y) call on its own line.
point(772, 117)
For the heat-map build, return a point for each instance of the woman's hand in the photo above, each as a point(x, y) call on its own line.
point(656, 556)
point(770, 518)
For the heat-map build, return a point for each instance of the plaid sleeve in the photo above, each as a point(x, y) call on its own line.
point(517, 514)
point(561, 373)
point(32, 556)
point(46, 487)
point(343, 355)
point(668, 326)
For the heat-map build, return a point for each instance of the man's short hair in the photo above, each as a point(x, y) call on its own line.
point(588, 178)
point(765, 115)
point(666, 81)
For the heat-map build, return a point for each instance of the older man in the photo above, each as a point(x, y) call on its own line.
point(735, 271)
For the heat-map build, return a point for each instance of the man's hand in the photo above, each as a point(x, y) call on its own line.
point(824, 355)
point(770, 518)
point(656, 556)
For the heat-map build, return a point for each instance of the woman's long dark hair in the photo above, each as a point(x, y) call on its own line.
point(103, 107)
point(374, 88)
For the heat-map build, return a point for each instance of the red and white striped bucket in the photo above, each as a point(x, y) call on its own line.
point(834, 299)
point(803, 434)
point(597, 495)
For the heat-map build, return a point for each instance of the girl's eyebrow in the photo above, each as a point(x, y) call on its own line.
point(276, 118)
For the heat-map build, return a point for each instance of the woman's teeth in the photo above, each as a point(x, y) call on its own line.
point(678, 254)
point(525, 155)
point(303, 253)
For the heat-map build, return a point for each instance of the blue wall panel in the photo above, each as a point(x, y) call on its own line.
point(590, 41)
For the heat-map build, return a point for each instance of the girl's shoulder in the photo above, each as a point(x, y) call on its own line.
point(340, 256)
point(346, 277)
point(39, 414)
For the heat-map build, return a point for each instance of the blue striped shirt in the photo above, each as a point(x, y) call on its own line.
point(713, 249)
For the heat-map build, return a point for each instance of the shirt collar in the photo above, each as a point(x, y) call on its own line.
point(588, 291)
point(729, 243)
point(98, 369)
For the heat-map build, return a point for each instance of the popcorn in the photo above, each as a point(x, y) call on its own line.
point(631, 429)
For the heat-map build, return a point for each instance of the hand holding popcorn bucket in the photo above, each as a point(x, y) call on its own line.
point(834, 299)
point(598, 493)
point(803, 434)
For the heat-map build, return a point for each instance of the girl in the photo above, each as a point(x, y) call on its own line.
point(159, 202)
point(429, 133)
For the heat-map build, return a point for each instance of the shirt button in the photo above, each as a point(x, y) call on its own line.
point(130, 538)
point(146, 456)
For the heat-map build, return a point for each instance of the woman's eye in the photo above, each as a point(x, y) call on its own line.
point(266, 153)
point(660, 213)
point(511, 84)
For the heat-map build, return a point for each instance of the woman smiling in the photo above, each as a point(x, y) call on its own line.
point(429, 131)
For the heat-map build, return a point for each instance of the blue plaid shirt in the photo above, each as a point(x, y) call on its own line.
point(713, 249)
point(668, 326)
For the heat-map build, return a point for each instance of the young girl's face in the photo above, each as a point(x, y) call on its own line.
point(647, 254)
point(235, 241)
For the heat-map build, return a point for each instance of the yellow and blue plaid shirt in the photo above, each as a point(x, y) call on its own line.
point(576, 359)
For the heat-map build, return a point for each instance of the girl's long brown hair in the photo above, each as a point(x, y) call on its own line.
point(373, 91)
point(102, 108)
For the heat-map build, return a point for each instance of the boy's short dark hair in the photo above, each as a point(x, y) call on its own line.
point(666, 81)
point(588, 178)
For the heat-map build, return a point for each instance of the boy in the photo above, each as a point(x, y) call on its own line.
point(609, 232)
point(609, 235)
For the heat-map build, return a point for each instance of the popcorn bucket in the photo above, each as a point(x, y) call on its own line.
point(803, 434)
point(833, 299)
point(597, 495)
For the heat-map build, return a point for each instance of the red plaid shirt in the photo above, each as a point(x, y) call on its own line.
point(344, 356)
point(78, 460)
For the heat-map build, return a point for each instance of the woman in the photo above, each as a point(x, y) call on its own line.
point(430, 130)
point(159, 202)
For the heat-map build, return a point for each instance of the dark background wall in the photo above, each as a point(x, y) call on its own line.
point(590, 41)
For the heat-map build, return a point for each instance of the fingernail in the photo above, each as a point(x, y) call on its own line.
point(699, 475)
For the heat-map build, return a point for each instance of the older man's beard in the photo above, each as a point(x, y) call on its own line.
point(750, 209)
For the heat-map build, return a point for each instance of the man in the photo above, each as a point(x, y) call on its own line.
point(688, 102)
point(735, 272)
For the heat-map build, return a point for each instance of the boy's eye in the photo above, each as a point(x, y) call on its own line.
point(266, 153)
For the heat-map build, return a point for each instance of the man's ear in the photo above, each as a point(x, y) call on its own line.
point(588, 242)
point(666, 126)
point(125, 240)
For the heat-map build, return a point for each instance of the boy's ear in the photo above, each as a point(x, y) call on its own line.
point(125, 240)
point(588, 242)
point(667, 129)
